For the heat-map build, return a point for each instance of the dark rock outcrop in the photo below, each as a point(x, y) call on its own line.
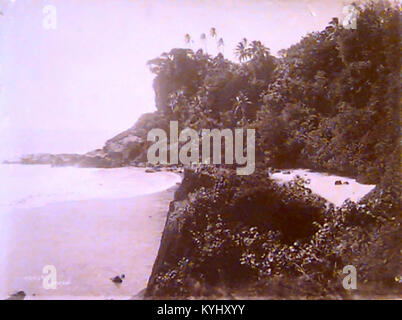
point(20, 295)
point(126, 148)
point(40, 158)
point(118, 279)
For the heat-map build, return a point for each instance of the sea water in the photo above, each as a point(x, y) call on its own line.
point(27, 186)
point(87, 223)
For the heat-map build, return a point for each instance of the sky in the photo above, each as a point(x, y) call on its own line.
point(73, 73)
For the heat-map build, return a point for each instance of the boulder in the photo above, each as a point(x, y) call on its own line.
point(118, 279)
point(20, 295)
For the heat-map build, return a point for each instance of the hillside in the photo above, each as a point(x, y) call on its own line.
point(329, 103)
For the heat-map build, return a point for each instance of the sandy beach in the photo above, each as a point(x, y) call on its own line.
point(88, 242)
point(323, 184)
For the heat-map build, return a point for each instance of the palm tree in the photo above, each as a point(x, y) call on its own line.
point(241, 102)
point(241, 51)
point(221, 44)
point(212, 32)
point(258, 50)
point(187, 39)
point(203, 38)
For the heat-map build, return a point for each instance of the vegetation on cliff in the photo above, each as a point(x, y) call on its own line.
point(329, 103)
point(232, 235)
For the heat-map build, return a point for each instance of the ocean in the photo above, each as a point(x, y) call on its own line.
point(27, 186)
point(89, 224)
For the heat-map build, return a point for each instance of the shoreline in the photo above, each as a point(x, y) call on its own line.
point(89, 242)
point(48, 185)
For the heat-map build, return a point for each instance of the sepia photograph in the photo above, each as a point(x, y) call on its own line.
point(231, 150)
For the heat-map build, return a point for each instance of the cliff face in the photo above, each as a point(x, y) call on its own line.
point(174, 242)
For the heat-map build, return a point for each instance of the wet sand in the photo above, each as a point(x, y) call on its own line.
point(88, 242)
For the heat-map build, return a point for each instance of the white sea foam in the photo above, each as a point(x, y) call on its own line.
point(26, 186)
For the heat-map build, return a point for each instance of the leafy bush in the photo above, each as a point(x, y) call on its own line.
point(250, 235)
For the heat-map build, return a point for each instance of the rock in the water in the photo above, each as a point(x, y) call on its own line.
point(20, 295)
point(338, 182)
point(118, 279)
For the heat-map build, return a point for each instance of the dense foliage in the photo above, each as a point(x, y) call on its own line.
point(250, 237)
point(330, 103)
